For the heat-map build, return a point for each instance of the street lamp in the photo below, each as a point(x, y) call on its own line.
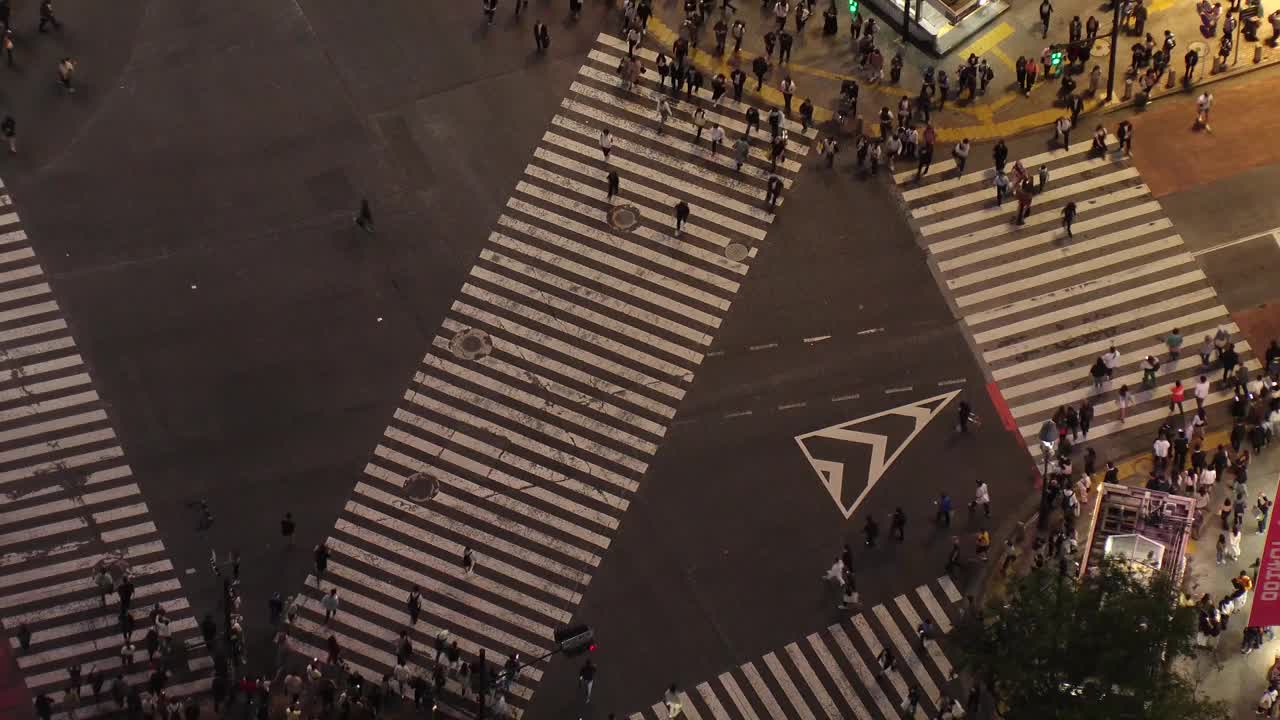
point(1115, 43)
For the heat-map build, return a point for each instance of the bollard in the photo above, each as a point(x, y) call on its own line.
point(1168, 84)
point(1128, 88)
point(1257, 54)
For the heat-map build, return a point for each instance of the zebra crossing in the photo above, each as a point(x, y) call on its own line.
point(833, 674)
point(69, 501)
point(1041, 308)
point(552, 381)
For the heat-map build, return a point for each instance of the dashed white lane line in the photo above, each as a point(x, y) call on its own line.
point(817, 338)
point(766, 346)
point(715, 353)
point(743, 413)
point(792, 406)
point(870, 331)
point(957, 381)
point(842, 398)
point(891, 391)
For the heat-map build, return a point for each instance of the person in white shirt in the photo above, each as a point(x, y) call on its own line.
point(1201, 392)
point(981, 496)
point(1160, 449)
point(1111, 358)
point(1208, 476)
point(671, 698)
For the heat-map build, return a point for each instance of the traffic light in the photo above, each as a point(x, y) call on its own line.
point(1055, 58)
point(853, 7)
point(573, 640)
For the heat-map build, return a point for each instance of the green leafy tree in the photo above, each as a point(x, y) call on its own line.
point(1105, 647)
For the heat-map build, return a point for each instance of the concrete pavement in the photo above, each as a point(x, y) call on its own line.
point(819, 63)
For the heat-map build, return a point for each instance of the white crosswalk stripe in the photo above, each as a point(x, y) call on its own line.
point(538, 406)
point(70, 503)
point(1041, 308)
point(830, 675)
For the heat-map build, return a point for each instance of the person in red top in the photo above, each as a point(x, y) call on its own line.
point(1175, 397)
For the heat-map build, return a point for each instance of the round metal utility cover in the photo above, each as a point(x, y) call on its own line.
point(736, 252)
point(624, 217)
point(421, 487)
point(471, 344)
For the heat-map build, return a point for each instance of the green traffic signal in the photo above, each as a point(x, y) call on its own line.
point(853, 7)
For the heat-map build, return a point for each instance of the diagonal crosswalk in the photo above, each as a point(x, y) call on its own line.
point(551, 383)
point(833, 674)
point(68, 501)
point(1041, 308)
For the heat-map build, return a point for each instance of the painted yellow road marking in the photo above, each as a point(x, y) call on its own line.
point(998, 54)
point(993, 37)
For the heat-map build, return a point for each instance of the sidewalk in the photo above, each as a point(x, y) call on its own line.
point(819, 63)
point(1224, 673)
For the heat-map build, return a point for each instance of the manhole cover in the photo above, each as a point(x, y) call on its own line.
point(471, 344)
point(421, 487)
point(736, 252)
point(624, 217)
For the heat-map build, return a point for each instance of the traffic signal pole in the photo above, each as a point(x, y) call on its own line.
point(1115, 44)
point(906, 21)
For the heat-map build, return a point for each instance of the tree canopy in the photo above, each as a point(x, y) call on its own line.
point(1104, 647)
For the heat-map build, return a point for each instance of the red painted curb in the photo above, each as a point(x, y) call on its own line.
point(1002, 408)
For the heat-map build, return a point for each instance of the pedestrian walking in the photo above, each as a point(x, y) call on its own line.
point(671, 698)
point(682, 215)
point(1044, 179)
point(287, 528)
point(832, 147)
point(924, 159)
point(943, 516)
point(1046, 12)
point(981, 498)
point(785, 40)
point(24, 637)
point(1124, 133)
point(9, 128)
point(586, 677)
point(788, 87)
point(738, 79)
point(664, 113)
point(738, 29)
point(606, 143)
point(1204, 104)
point(467, 561)
point(885, 662)
point(47, 17)
point(848, 588)
point(413, 604)
point(1063, 128)
point(773, 192)
point(613, 185)
point(541, 36)
point(320, 555)
point(363, 219)
point(982, 544)
point(960, 153)
point(870, 532)
point(1023, 194)
point(1001, 183)
point(759, 68)
point(102, 580)
point(330, 604)
point(1068, 216)
point(953, 557)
